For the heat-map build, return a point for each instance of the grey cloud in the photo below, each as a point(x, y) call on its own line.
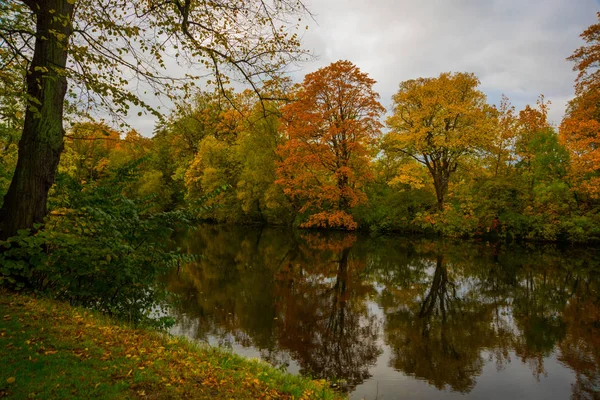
point(516, 47)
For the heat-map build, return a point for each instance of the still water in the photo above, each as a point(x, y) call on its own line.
point(398, 318)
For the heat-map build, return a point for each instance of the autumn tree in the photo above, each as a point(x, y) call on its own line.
point(439, 122)
point(256, 151)
point(214, 163)
point(531, 123)
point(580, 128)
point(501, 147)
point(89, 146)
point(331, 128)
point(189, 123)
point(90, 53)
point(239, 152)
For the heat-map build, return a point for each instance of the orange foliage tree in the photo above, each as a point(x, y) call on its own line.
point(580, 129)
point(331, 127)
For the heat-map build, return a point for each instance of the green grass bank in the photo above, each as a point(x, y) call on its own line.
point(50, 350)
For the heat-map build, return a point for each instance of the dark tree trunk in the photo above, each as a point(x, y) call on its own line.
point(42, 141)
point(440, 182)
point(342, 183)
point(438, 288)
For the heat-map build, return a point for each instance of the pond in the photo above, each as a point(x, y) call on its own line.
point(396, 317)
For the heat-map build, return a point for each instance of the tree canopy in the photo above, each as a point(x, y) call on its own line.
point(438, 122)
point(82, 56)
point(331, 129)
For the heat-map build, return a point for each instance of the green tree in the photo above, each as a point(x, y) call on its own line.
point(98, 47)
point(256, 152)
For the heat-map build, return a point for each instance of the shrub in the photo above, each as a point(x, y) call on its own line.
point(97, 248)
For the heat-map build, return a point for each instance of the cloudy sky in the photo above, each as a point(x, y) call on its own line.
point(515, 47)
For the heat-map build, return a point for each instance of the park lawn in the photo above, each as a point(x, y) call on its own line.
point(49, 349)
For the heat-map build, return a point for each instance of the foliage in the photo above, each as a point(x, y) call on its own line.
point(86, 54)
point(399, 192)
point(109, 43)
point(256, 151)
point(98, 249)
point(515, 178)
point(579, 129)
point(90, 146)
point(11, 103)
point(213, 167)
point(331, 130)
point(439, 122)
point(9, 137)
point(311, 155)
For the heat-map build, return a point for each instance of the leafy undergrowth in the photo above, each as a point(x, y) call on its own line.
point(51, 350)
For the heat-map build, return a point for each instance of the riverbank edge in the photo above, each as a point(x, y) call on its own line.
point(49, 349)
point(505, 238)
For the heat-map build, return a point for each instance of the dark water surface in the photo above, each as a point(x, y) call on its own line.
point(399, 318)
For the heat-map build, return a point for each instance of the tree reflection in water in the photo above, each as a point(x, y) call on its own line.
point(325, 322)
point(438, 334)
point(330, 303)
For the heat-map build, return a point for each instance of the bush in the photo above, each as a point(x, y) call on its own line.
point(98, 249)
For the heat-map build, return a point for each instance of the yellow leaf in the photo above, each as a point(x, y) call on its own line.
point(11, 380)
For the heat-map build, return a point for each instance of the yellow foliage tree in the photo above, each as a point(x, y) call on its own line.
point(91, 145)
point(439, 122)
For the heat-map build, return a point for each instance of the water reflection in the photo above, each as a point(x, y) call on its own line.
point(440, 312)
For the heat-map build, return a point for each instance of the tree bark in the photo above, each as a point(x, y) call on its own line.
point(42, 140)
point(440, 182)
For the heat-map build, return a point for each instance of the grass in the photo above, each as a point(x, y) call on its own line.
point(51, 350)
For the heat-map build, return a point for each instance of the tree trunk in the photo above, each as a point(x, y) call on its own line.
point(440, 183)
point(42, 141)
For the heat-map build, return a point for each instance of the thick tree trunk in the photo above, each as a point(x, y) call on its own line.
point(42, 141)
point(440, 183)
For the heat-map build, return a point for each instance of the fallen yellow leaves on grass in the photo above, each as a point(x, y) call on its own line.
point(99, 358)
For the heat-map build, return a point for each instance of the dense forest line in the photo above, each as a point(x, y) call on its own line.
point(448, 163)
point(88, 208)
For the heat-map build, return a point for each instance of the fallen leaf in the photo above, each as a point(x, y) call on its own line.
point(10, 380)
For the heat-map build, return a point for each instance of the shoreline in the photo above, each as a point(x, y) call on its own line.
point(52, 350)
